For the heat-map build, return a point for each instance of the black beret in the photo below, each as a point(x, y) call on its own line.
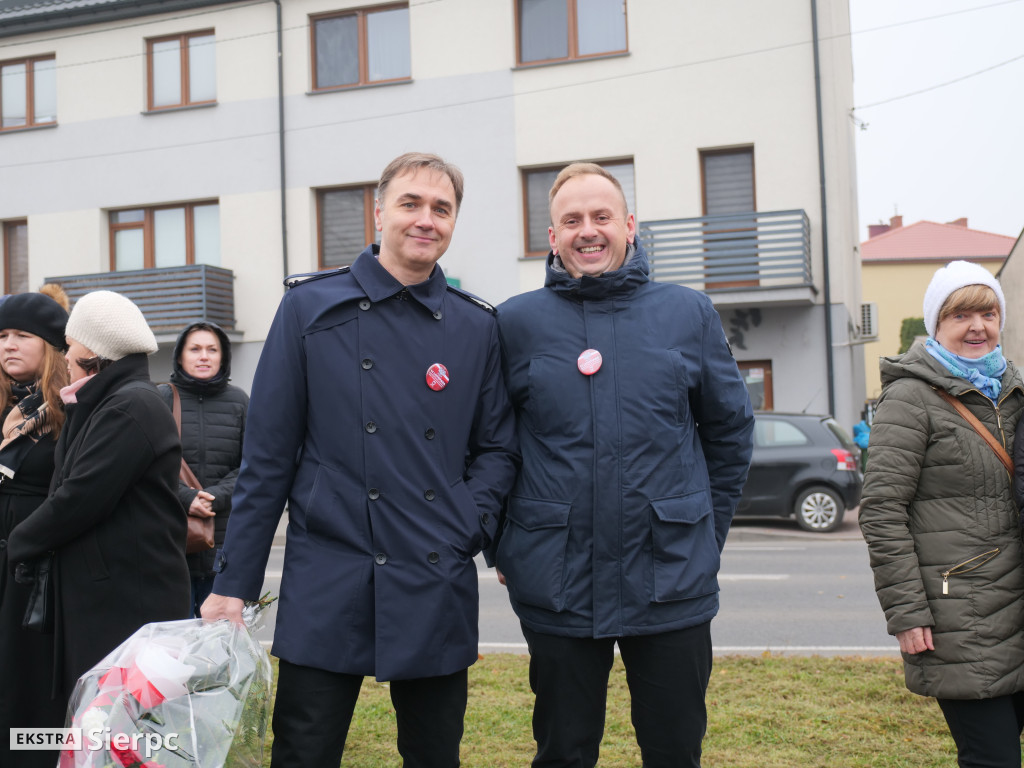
point(35, 313)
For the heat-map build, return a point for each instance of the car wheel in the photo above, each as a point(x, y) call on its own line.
point(819, 509)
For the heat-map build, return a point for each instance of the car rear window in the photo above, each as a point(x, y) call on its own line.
point(770, 433)
point(839, 432)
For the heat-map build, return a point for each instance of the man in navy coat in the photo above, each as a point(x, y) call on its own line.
point(380, 414)
point(635, 428)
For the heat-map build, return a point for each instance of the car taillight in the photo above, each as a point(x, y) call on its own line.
point(845, 460)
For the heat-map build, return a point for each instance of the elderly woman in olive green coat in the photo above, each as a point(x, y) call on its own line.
point(940, 520)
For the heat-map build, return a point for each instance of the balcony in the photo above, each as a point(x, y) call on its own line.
point(170, 297)
point(741, 259)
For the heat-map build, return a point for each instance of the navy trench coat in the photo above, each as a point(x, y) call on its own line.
point(392, 486)
point(630, 475)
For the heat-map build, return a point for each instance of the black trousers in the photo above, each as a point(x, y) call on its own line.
point(986, 731)
point(313, 710)
point(667, 675)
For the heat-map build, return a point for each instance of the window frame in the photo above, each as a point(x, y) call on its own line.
point(572, 29)
point(185, 70)
point(369, 190)
point(30, 91)
point(767, 385)
point(9, 228)
point(361, 15)
point(148, 227)
point(525, 172)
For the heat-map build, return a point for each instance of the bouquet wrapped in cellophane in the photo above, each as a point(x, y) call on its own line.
point(176, 693)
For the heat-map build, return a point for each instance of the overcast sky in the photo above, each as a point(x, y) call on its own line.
point(954, 151)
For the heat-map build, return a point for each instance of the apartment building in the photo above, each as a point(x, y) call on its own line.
point(192, 153)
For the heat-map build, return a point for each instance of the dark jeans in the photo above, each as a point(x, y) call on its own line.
point(667, 674)
point(202, 586)
point(986, 731)
point(314, 708)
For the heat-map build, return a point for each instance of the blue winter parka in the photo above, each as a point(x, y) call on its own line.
point(631, 475)
point(392, 486)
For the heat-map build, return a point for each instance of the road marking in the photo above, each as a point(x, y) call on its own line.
point(753, 576)
point(806, 648)
point(752, 648)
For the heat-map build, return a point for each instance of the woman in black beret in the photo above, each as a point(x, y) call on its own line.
point(32, 373)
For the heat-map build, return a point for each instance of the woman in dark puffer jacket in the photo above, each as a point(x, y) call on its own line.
point(212, 427)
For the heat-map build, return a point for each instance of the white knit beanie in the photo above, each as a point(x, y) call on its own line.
point(953, 277)
point(110, 325)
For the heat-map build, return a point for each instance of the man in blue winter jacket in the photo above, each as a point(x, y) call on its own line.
point(379, 413)
point(635, 428)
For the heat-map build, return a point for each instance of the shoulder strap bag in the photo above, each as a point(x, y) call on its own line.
point(987, 436)
point(200, 529)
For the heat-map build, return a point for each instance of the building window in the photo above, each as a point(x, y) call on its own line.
point(28, 92)
point(165, 236)
point(727, 188)
point(15, 256)
point(182, 70)
point(559, 30)
point(536, 185)
point(757, 374)
point(345, 224)
point(361, 47)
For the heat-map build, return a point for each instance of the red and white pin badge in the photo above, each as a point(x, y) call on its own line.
point(437, 377)
point(589, 362)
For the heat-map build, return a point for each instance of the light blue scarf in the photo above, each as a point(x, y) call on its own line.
point(985, 372)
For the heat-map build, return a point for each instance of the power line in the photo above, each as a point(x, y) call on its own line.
point(939, 85)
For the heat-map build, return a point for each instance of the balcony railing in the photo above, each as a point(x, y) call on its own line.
point(169, 297)
point(736, 252)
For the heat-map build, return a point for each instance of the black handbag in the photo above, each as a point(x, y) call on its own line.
point(40, 609)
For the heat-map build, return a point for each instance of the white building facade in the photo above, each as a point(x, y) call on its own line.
point(151, 146)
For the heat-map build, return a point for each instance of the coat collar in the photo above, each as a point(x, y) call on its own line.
point(611, 285)
point(120, 372)
point(378, 284)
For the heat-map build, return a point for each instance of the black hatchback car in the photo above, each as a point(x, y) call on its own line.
point(804, 466)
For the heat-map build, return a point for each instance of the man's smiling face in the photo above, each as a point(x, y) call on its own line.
point(590, 227)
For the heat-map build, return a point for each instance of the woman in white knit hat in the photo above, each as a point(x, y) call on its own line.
point(112, 518)
point(938, 514)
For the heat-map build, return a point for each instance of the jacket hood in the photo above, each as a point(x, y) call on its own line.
point(918, 364)
point(625, 280)
point(218, 382)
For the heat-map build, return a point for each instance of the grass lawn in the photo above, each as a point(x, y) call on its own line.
point(764, 712)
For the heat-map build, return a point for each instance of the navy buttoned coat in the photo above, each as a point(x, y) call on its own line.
point(392, 486)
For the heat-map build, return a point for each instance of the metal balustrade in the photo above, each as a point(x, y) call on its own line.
point(741, 251)
point(169, 297)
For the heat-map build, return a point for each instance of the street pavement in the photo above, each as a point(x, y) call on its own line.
point(783, 591)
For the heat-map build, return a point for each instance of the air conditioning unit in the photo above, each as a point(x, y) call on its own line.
point(869, 321)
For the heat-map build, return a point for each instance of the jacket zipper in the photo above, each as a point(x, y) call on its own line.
point(958, 569)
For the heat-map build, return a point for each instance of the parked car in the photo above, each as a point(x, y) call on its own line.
point(804, 466)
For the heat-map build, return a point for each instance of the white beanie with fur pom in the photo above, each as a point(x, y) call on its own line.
point(110, 325)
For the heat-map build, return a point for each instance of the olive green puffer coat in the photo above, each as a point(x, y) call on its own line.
point(943, 530)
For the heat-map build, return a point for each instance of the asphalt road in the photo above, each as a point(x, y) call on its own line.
point(783, 591)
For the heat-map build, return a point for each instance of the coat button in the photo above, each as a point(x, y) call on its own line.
point(374, 494)
point(364, 304)
point(437, 315)
point(486, 518)
point(380, 558)
point(371, 427)
point(429, 494)
point(429, 434)
point(367, 364)
point(433, 557)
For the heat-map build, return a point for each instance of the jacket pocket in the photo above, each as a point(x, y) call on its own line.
point(684, 547)
point(531, 552)
point(965, 567)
